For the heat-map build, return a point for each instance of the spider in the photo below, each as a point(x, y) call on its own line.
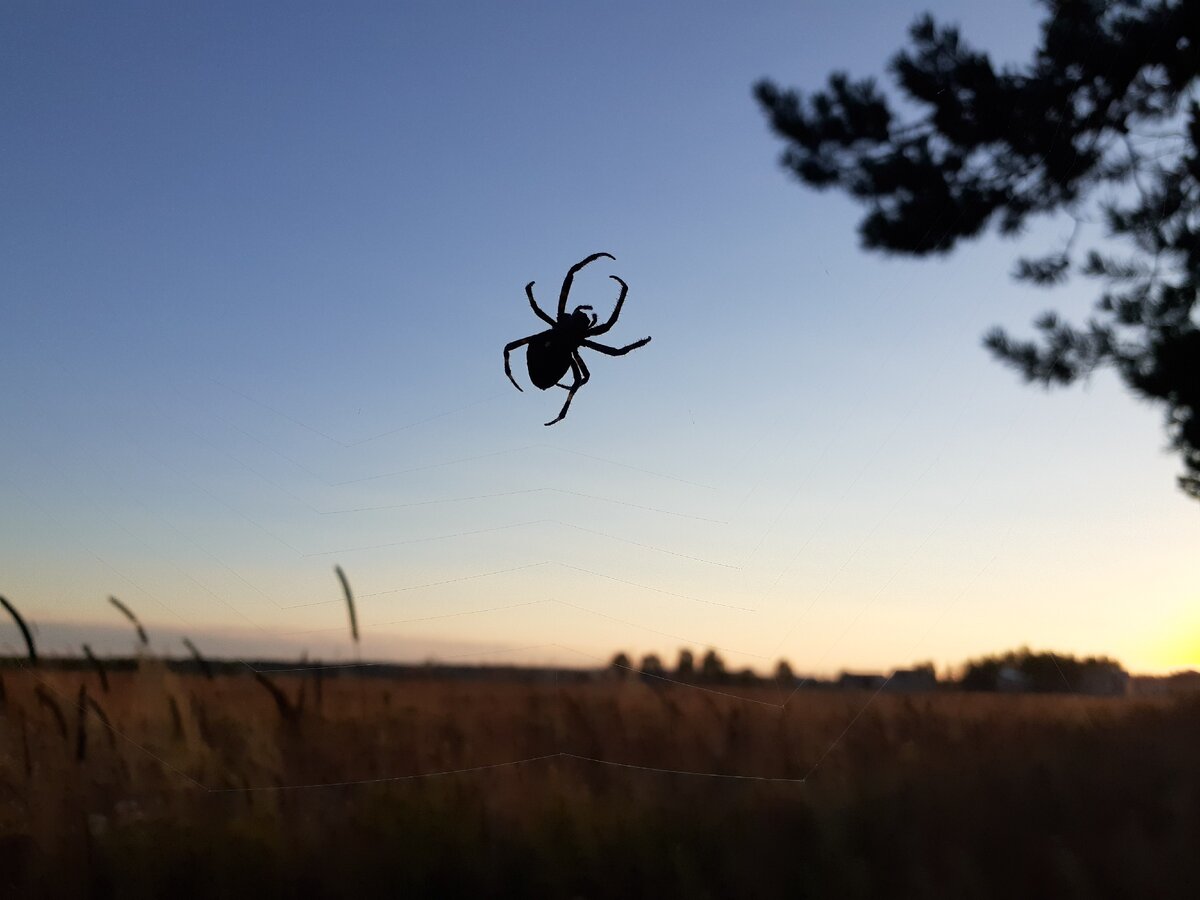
point(551, 353)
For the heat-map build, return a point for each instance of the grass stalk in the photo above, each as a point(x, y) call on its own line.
point(349, 602)
point(129, 614)
point(200, 660)
point(287, 709)
point(46, 699)
point(98, 666)
point(29, 645)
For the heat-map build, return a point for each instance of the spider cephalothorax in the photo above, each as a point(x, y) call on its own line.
point(552, 353)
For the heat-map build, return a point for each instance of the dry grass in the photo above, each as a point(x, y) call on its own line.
point(922, 795)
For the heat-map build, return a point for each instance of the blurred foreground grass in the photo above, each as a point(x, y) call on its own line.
point(205, 790)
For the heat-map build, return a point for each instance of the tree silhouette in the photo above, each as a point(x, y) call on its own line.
point(784, 674)
point(652, 666)
point(620, 666)
point(1042, 672)
point(1104, 108)
point(712, 667)
point(686, 666)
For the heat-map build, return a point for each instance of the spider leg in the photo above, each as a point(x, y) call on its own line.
point(509, 348)
point(615, 351)
point(566, 287)
point(581, 373)
point(582, 368)
point(545, 317)
point(612, 320)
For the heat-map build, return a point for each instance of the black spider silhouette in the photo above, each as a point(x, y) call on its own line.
point(552, 352)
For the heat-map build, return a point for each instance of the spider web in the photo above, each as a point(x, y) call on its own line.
point(715, 508)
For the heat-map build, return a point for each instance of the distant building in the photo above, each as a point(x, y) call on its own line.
point(1104, 681)
point(1177, 683)
point(912, 680)
point(852, 681)
point(1011, 680)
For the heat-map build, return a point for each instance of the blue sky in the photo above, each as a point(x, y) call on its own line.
point(260, 262)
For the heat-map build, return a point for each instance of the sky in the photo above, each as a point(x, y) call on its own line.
point(260, 261)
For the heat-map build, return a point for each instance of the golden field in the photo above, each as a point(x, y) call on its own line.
point(206, 788)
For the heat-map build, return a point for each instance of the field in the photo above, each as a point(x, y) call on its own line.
point(213, 788)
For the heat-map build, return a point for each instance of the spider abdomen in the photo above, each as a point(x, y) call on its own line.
point(548, 358)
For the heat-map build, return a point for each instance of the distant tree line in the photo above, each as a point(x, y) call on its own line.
point(1046, 672)
point(710, 670)
point(1016, 670)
